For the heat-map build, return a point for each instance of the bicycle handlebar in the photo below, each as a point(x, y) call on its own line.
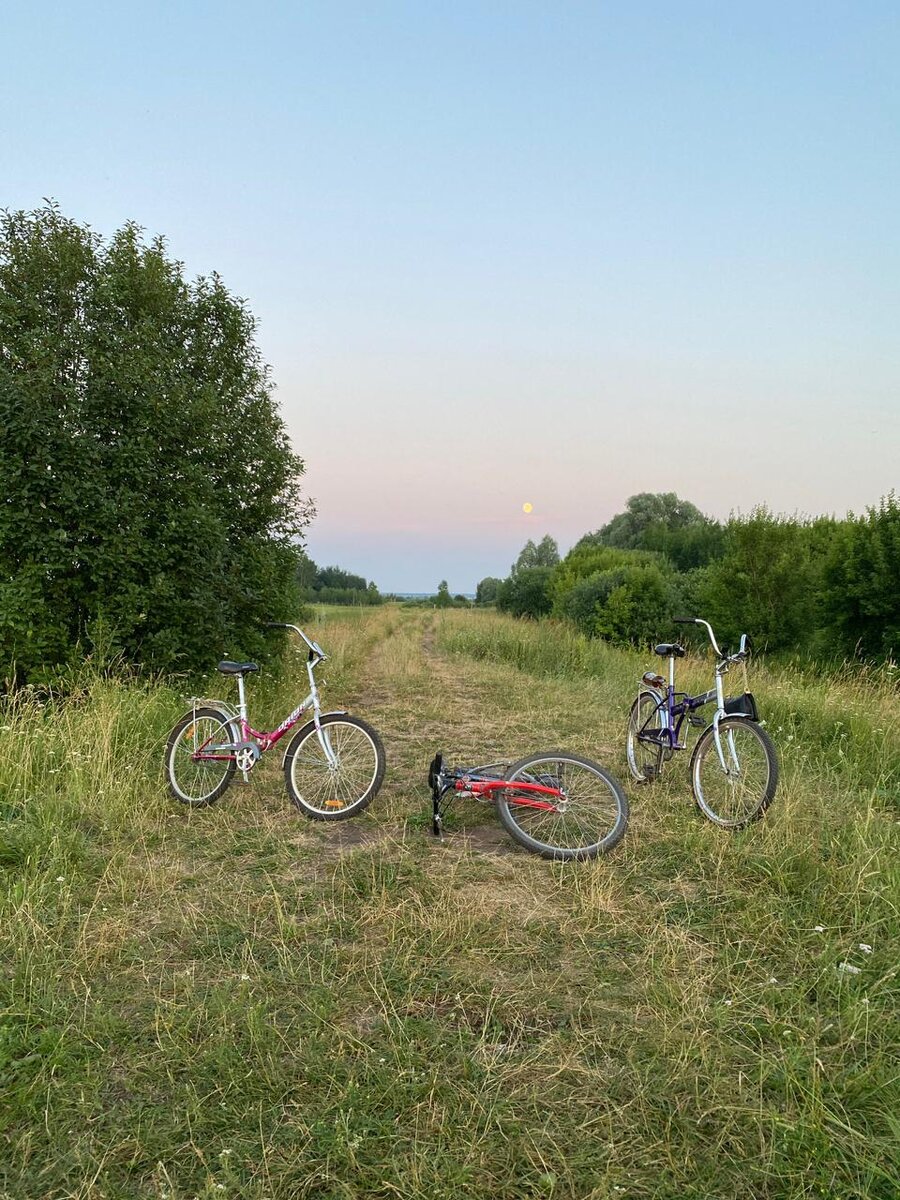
point(314, 647)
point(745, 646)
point(707, 626)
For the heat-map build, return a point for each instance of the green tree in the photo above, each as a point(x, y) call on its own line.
point(526, 593)
point(307, 572)
point(151, 493)
point(443, 599)
point(861, 600)
point(687, 547)
point(486, 592)
point(544, 554)
point(656, 511)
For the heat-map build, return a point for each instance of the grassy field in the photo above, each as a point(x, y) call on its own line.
point(238, 1002)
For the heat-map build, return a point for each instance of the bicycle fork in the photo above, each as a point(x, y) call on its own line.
point(735, 768)
point(321, 734)
point(717, 737)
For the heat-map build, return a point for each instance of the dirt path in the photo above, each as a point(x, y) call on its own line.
point(423, 701)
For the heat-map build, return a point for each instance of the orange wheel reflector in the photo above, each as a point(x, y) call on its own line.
point(189, 732)
point(334, 804)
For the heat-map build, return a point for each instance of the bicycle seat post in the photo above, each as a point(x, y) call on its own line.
point(242, 702)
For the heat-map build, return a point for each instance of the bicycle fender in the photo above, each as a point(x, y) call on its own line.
point(309, 726)
point(711, 728)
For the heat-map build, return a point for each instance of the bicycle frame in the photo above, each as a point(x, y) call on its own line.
point(469, 781)
point(673, 711)
point(255, 742)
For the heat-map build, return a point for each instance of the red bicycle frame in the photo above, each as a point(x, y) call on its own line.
point(483, 787)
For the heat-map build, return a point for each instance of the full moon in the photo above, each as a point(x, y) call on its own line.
point(526, 507)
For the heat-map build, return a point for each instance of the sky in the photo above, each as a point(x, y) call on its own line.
point(505, 253)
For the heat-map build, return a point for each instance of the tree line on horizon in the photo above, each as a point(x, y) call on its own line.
point(819, 587)
point(334, 585)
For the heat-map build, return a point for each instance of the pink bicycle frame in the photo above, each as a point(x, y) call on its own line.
point(261, 739)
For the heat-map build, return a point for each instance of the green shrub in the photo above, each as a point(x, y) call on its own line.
point(527, 593)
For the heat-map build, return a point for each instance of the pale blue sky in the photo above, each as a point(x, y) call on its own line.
point(509, 251)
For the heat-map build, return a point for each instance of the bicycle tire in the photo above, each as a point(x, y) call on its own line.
point(325, 794)
point(524, 824)
point(182, 774)
point(713, 789)
point(645, 759)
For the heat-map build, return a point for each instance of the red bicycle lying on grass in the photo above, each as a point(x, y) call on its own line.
point(555, 804)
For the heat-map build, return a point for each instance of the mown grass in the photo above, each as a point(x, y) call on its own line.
point(237, 1001)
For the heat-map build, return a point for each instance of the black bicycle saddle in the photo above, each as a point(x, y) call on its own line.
point(664, 649)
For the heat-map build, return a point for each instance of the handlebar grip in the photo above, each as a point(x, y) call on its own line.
point(685, 620)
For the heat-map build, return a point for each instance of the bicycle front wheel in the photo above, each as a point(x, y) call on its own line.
point(740, 792)
point(202, 781)
point(645, 758)
point(332, 789)
point(589, 820)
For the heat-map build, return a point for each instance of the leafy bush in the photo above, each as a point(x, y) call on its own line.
point(527, 593)
point(585, 560)
point(766, 584)
point(628, 604)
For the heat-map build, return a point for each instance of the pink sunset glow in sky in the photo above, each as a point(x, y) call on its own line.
point(559, 253)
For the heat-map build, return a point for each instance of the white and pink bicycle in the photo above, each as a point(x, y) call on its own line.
point(333, 766)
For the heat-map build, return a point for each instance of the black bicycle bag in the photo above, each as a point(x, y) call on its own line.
point(742, 706)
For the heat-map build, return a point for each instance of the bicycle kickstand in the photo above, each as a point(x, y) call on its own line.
point(437, 794)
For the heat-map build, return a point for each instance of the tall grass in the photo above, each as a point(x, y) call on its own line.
point(236, 1001)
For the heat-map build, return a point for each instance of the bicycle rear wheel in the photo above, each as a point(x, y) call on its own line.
point(742, 792)
point(200, 782)
point(645, 758)
point(589, 821)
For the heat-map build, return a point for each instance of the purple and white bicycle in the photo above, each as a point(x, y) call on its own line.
point(734, 765)
point(333, 766)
